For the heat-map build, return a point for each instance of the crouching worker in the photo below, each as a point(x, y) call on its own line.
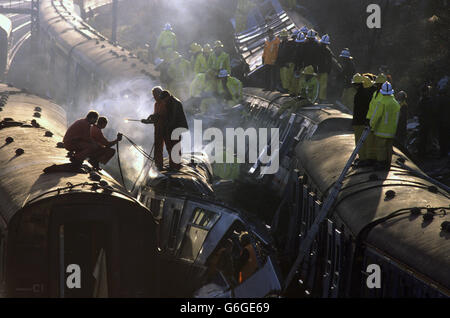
point(104, 151)
point(78, 141)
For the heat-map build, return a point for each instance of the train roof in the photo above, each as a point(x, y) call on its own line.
point(364, 199)
point(28, 119)
point(88, 47)
point(194, 177)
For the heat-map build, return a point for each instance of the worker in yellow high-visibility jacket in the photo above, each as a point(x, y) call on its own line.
point(167, 42)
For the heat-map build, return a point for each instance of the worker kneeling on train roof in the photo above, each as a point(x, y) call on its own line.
point(383, 124)
point(106, 153)
point(79, 143)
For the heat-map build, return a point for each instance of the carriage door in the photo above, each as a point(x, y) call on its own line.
point(80, 257)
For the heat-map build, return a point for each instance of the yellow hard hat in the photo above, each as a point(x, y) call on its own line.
point(357, 79)
point(218, 44)
point(381, 78)
point(284, 33)
point(207, 48)
point(195, 47)
point(367, 82)
point(309, 70)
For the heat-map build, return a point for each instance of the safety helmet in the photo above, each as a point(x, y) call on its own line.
point(218, 44)
point(284, 33)
point(195, 48)
point(311, 34)
point(304, 29)
point(167, 27)
point(222, 73)
point(381, 78)
point(207, 48)
point(401, 96)
point(357, 79)
point(386, 89)
point(345, 53)
point(300, 38)
point(325, 39)
point(367, 82)
point(309, 70)
point(371, 76)
point(295, 32)
point(176, 55)
point(158, 61)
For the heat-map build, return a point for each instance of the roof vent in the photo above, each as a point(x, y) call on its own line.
point(48, 133)
point(36, 114)
point(9, 140)
point(60, 145)
point(390, 194)
point(37, 109)
point(35, 123)
point(19, 151)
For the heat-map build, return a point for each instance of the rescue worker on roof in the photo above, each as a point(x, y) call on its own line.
point(294, 34)
point(304, 30)
point(285, 52)
point(269, 59)
point(105, 150)
point(364, 92)
point(229, 88)
point(179, 73)
point(403, 119)
point(443, 104)
point(167, 42)
point(325, 59)
point(219, 59)
point(311, 50)
point(428, 118)
point(78, 141)
point(383, 124)
point(348, 70)
point(309, 85)
point(198, 61)
point(248, 262)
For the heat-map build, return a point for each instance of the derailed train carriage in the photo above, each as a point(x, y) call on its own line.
point(81, 61)
point(55, 226)
point(193, 226)
point(397, 220)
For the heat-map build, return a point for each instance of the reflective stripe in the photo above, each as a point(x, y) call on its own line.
point(386, 117)
point(374, 112)
point(387, 135)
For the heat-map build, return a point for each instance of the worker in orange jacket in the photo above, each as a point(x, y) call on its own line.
point(105, 152)
point(269, 59)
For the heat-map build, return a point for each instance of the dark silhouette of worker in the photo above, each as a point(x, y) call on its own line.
point(427, 116)
point(222, 260)
point(168, 115)
point(443, 103)
point(248, 263)
point(105, 152)
point(78, 141)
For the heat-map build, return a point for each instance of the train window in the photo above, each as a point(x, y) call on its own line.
point(173, 229)
point(201, 222)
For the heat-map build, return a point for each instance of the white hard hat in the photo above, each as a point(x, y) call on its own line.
point(223, 73)
point(167, 27)
point(325, 39)
point(386, 89)
point(300, 38)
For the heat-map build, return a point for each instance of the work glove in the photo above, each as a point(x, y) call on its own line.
point(119, 136)
point(145, 121)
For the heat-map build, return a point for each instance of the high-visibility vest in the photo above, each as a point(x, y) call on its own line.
point(250, 266)
point(308, 88)
point(179, 70)
point(384, 119)
point(234, 87)
point(167, 39)
point(270, 53)
point(198, 63)
point(372, 103)
point(221, 62)
point(200, 85)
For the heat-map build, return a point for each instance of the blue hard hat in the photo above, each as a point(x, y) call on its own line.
point(300, 38)
point(345, 53)
point(386, 89)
